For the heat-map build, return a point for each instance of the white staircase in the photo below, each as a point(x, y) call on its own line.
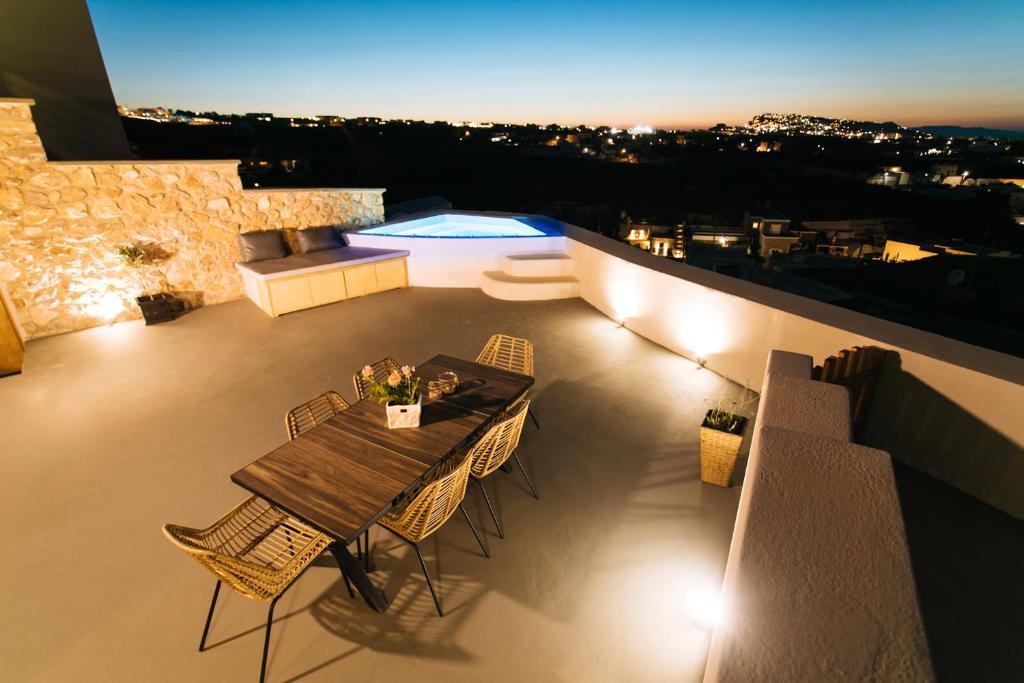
point(532, 277)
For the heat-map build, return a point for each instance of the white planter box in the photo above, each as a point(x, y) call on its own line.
point(401, 417)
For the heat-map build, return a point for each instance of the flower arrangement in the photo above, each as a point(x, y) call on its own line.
point(398, 388)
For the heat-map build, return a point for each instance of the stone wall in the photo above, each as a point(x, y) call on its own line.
point(61, 222)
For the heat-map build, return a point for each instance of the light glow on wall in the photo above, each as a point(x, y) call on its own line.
point(623, 295)
point(701, 329)
point(106, 307)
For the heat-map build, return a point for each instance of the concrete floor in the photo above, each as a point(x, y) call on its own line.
point(113, 431)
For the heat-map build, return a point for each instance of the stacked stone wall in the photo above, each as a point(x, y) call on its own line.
point(61, 224)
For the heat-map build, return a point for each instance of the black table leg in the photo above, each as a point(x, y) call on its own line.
point(354, 568)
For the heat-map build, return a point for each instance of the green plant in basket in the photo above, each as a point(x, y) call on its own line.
point(398, 388)
point(725, 415)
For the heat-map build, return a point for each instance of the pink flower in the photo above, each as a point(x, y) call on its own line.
point(393, 379)
point(367, 372)
point(407, 371)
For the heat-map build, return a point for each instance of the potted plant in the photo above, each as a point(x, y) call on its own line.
point(158, 307)
point(400, 392)
point(721, 434)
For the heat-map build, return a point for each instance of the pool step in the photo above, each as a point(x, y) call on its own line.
point(542, 264)
point(501, 285)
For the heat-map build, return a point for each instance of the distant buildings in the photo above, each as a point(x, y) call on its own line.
point(771, 233)
point(802, 124)
point(898, 251)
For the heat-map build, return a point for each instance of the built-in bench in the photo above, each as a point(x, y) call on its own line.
point(818, 585)
point(292, 283)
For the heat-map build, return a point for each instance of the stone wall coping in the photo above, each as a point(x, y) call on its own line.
point(294, 190)
point(147, 162)
point(818, 578)
point(806, 405)
point(4, 101)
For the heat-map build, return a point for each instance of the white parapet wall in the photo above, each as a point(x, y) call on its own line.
point(818, 585)
point(946, 407)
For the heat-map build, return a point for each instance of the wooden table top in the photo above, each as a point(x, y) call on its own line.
point(344, 474)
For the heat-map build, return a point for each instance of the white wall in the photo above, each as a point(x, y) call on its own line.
point(948, 408)
point(453, 261)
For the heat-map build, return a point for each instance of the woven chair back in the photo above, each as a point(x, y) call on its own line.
point(255, 548)
point(508, 353)
point(500, 441)
point(432, 506)
point(381, 369)
point(302, 418)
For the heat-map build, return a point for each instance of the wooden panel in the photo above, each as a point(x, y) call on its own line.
point(264, 293)
point(12, 351)
point(442, 429)
point(336, 482)
point(291, 294)
point(360, 280)
point(327, 288)
point(390, 274)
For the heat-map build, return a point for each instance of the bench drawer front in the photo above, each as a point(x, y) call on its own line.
point(390, 274)
point(290, 295)
point(327, 288)
point(360, 280)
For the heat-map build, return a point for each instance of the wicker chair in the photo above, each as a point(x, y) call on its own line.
point(495, 447)
point(512, 354)
point(257, 550)
point(302, 418)
point(430, 509)
point(381, 369)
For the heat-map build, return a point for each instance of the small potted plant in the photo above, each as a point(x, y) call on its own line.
point(721, 435)
point(400, 392)
point(158, 307)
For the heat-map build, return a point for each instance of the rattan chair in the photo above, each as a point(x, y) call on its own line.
point(430, 509)
point(381, 369)
point(512, 354)
point(302, 418)
point(257, 550)
point(495, 447)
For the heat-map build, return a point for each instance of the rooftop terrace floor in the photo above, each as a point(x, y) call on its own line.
point(113, 431)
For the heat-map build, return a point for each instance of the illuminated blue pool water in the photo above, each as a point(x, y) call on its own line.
point(458, 225)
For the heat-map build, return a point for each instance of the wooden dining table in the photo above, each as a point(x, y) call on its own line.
point(346, 473)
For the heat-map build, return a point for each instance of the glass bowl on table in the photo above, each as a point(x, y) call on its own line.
point(449, 381)
point(435, 389)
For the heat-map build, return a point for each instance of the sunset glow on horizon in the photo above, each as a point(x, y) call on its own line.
point(670, 65)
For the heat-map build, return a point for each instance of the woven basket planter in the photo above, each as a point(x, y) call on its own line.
point(719, 451)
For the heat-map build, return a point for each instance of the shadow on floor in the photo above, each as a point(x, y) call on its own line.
point(968, 563)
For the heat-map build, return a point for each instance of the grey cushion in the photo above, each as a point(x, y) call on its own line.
point(318, 239)
point(261, 245)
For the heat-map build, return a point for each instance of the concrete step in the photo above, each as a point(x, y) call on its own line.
point(542, 264)
point(501, 285)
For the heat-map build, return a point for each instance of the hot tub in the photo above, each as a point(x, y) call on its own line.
point(460, 226)
point(455, 249)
